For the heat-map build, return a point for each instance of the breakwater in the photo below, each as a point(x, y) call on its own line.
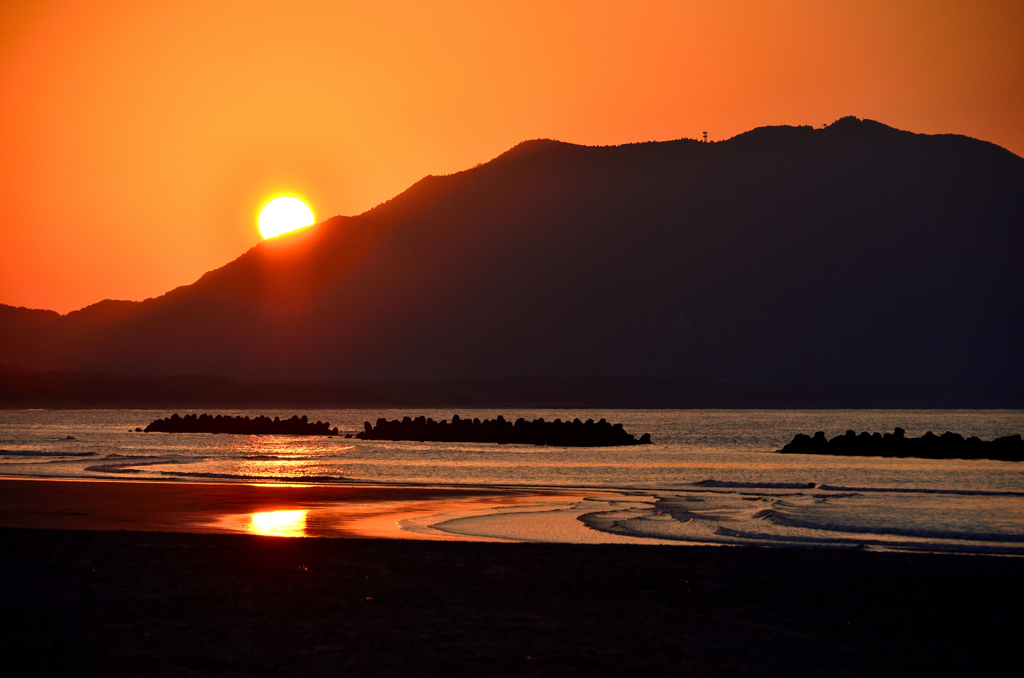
point(555, 433)
point(261, 425)
point(897, 444)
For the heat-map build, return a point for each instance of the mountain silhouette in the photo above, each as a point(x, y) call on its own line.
point(785, 257)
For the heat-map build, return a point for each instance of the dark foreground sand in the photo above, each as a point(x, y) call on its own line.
point(158, 603)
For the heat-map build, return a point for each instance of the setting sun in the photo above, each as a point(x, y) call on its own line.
point(283, 215)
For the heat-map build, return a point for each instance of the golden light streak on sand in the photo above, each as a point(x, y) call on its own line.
point(279, 523)
point(265, 509)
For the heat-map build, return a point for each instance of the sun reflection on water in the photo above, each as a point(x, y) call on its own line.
point(279, 523)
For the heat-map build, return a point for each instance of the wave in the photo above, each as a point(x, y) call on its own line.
point(264, 479)
point(709, 529)
point(273, 457)
point(849, 491)
point(134, 456)
point(43, 453)
point(923, 490)
point(778, 518)
point(758, 486)
point(840, 495)
point(130, 467)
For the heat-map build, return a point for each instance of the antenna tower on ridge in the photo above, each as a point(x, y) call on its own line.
point(705, 137)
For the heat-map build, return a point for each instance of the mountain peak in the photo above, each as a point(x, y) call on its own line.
point(785, 257)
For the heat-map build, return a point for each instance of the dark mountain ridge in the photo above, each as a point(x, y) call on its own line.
point(784, 257)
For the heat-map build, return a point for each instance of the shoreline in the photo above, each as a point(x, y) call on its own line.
point(286, 510)
point(433, 512)
point(152, 578)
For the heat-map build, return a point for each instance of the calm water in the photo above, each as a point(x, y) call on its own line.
point(711, 476)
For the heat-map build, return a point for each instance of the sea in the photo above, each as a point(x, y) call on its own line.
point(711, 477)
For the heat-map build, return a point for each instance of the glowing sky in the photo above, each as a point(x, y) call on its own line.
point(139, 140)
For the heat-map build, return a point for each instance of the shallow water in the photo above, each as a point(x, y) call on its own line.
point(712, 476)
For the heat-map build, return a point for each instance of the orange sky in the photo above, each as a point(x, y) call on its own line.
point(138, 140)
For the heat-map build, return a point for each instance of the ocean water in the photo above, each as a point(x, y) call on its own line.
point(712, 476)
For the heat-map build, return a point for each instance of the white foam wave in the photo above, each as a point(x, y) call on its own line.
point(261, 478)
point(755, 486)
point(924, 490)
point(819, 520)
point(274, 457)
point(130, 466)
point(43, 453)
point(780, 518)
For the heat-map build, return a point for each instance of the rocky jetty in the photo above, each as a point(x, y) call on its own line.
point(205, 423)
point(555, 433)
point(897, 444)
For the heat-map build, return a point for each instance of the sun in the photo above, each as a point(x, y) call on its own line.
point(282, 215)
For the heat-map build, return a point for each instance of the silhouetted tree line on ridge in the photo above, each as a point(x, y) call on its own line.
point(261, 425)
point(555, 433)
point(897, 444)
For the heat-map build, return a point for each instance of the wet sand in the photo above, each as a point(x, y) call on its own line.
point(269, 510)
point(114, 602)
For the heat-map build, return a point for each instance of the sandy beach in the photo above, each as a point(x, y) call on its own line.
point(134, 603)
point(107, 600)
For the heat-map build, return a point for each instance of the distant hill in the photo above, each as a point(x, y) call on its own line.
point(821, 262)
